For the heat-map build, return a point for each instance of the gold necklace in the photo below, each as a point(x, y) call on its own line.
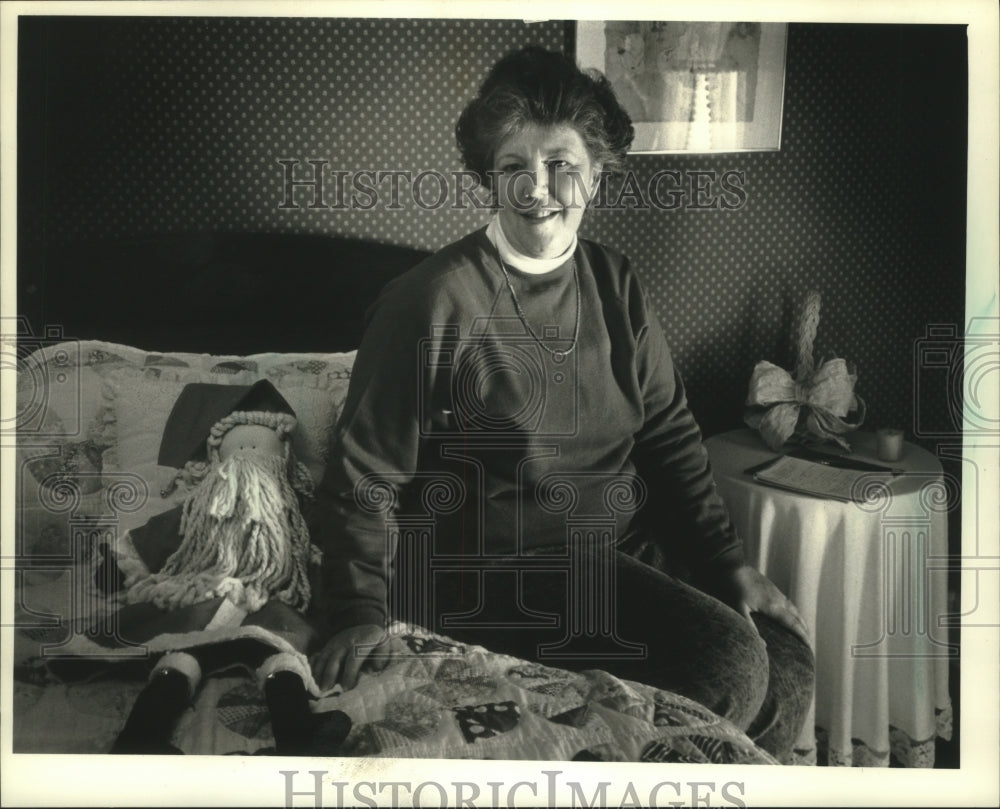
point(557, 355)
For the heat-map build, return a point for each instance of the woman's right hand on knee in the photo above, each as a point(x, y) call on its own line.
point(340, 660)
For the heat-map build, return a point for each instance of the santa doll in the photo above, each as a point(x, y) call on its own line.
point(224, 579)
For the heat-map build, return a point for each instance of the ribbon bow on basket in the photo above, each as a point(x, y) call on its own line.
point(814, 406)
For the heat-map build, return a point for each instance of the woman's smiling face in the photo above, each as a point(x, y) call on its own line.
point(544, 179)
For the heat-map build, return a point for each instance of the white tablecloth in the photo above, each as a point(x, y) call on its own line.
point(870, 582)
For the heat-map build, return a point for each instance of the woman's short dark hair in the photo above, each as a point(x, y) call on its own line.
point(536, 86)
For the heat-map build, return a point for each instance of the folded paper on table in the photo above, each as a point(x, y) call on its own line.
point(821, 479)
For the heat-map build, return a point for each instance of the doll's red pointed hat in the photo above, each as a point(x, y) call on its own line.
point(201, 406)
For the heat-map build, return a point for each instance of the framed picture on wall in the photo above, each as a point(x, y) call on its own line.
point(692, 86)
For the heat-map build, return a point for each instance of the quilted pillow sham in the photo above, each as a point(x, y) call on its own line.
point(91, 415)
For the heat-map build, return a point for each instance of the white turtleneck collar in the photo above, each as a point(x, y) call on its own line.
point(515, 258)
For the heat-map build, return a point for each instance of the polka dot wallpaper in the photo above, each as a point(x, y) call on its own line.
point(133, 126)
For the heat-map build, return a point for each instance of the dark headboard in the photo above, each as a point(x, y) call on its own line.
point(217, 293)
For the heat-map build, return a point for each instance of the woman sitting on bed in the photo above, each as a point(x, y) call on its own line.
point(523, 371)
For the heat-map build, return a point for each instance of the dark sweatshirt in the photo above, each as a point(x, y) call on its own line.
point(458, 415)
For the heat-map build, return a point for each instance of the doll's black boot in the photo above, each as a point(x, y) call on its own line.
point(153, 718)
point(297, 730)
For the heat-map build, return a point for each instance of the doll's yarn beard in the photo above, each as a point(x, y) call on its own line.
point(243, 538)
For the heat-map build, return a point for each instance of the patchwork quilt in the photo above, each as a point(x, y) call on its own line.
point(435, 699)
